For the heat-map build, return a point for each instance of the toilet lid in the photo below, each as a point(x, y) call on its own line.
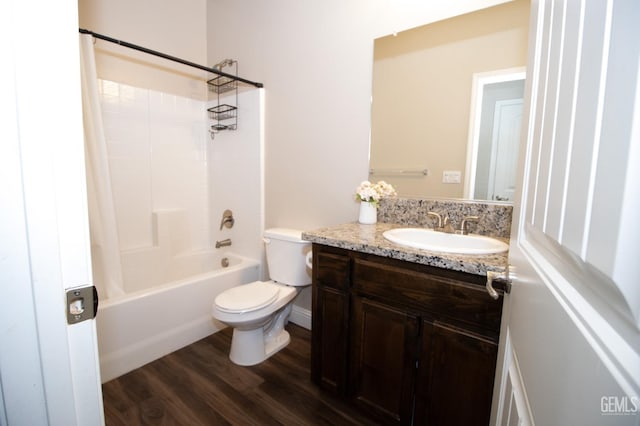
point(247, 297)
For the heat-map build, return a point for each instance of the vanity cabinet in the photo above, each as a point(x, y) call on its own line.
point(405, 342)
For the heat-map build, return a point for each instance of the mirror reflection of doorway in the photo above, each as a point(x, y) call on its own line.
point(507, 122)
point(495, 124)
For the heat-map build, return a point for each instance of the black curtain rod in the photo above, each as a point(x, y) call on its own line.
point(171, 58)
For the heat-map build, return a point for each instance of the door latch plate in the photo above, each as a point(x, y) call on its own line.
point(82, 304)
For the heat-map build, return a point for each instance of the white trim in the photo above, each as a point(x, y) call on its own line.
point(50, 375)
point(597, 134)
point(515, 393)
point(502, 374)
point(301, 317)
point(519, 392)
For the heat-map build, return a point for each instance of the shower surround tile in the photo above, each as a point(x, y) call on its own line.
point(157, 153)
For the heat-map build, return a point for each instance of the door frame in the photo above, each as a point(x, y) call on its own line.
point(50, 373)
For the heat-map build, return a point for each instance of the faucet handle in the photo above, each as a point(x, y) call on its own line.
point(437, 216)
point(463, 224)
point(227, 219)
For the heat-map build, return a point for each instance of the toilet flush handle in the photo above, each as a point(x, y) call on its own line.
point(266, 240)
point(309, 260)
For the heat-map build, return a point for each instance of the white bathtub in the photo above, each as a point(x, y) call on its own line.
point(146, 324)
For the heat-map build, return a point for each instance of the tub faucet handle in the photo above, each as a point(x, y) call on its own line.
point(227, 219)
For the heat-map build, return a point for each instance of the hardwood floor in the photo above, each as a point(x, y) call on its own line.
point(199, 385)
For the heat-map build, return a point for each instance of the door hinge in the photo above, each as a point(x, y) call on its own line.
point(82, 304)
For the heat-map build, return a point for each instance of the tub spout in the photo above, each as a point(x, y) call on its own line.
point(223, 243)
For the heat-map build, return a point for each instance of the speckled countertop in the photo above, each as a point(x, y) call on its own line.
point(369, 239)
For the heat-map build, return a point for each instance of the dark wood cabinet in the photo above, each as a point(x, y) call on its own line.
point(455, 376)
point(407, 343)
point(330, 320)
point(382, 362)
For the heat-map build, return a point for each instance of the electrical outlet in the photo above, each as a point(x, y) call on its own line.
point(451, 176)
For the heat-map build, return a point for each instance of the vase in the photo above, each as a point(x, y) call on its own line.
point(368, 213)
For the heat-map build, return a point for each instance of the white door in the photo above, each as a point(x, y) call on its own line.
point(570, 348)
point(507, 127)
point(48, 370)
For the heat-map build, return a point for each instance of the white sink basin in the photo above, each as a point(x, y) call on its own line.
point(428, 239)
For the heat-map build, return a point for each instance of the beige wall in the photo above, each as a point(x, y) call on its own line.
point(422, 92)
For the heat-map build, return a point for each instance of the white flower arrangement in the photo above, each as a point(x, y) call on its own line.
point(373, 193)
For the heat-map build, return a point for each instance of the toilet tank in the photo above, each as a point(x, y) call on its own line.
point(286, 255)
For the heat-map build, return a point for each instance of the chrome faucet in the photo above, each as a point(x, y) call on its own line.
point(223, 243)
point(463, 225)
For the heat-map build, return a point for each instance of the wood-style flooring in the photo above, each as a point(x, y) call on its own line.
point(199, 385)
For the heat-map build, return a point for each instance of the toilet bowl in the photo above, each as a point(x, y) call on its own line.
point(258, 311)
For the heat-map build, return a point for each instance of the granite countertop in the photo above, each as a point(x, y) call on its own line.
point(369, 239)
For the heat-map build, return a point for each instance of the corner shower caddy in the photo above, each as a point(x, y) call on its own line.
point(224, 115)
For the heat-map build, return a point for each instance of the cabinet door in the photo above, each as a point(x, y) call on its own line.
point(455, 376)
point(383, 357)
point(330, 334)
point(330, 319)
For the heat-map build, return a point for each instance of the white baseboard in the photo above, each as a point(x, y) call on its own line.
point(301, 317)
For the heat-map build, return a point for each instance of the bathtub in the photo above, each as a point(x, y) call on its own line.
point(148, 323)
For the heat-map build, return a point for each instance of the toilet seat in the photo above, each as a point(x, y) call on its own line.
point(247, 297)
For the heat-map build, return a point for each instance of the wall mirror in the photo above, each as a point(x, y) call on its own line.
point(424, 111)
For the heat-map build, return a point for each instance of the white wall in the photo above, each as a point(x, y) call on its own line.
point(236, 167)
point(173, 28)
point(315, 60)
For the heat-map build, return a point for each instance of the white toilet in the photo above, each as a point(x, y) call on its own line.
point(259, 311)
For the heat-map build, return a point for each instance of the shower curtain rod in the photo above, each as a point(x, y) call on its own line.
point(165, 56)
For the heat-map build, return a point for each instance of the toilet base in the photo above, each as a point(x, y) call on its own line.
point(249, 348)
